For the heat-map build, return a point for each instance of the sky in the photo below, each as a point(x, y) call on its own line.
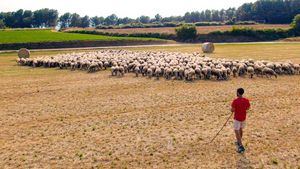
point(122, 8)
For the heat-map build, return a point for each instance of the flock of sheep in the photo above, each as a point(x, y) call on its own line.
point(170, 65)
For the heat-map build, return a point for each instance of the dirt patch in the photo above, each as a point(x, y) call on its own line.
point(91, 120)
point(295, 39)
point(200, 29)
point(53, 118)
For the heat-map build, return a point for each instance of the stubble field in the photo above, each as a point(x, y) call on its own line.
point(200, 29)
point(53, 118)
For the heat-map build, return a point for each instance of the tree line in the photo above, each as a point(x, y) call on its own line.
point(266, 11)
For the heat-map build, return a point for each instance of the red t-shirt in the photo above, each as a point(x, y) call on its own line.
point(240, 105)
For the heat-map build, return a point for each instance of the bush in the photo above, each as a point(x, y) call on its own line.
point(230, 22)
point(144, 35)
point(171, 24)
point(186, 33)
point(266, 34)
point(245, 23)
point(296, 24)
point(2, 25)
point(140, 25)
point(208, 24)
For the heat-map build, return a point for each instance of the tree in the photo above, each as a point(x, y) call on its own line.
point(51, 17)
point(75, 20)
point(2, 25)
point(97, 21)
point(296, 24)
point(144, 19)
point(65, 20)
point(222, 14)
point(215, 15)
point(244, 12)
point(207, 14)
point(195, 17)
point(8, 19)
point(45, 18)
point(125, 20)
point(85, 22)
point(187, 17)
point(111, 20)
point(27, 19)
point(18, 18)
point(158, 18)
point(230, 14)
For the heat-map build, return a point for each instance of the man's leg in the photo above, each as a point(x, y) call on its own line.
point(241, 133)
point(238, 136)
point(243, 124)
point(237, 127)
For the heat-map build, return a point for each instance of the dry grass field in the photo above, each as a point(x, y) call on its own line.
point(52, 118)
point(200, 29)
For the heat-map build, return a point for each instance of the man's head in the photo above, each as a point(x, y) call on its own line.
point(240, 92)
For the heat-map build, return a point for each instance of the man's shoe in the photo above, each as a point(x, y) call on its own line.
point(241, 149)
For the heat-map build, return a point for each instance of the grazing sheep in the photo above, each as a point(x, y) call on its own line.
point(250, 71)
point(114, 70)
point(157, 73)
point(137, 71)
point(297, 68)
point(171, 65)
point(121, 71)
point(198, 73)
point(242, 69)
point(234, 71)
point(93, 67)
point(168, 73)
point(149, 72)
point(268, 72)
point(217, 73)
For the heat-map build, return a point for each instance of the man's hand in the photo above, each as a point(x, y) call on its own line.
point(232, 109)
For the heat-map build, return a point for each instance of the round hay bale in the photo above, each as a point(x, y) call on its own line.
point(24, 53)
point(208, 47)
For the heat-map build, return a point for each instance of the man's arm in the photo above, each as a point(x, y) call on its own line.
point(248, 105)
point(232, 107)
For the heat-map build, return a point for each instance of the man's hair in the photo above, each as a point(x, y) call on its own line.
point(240, 91)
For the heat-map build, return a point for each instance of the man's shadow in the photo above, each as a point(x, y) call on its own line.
point(243, 162)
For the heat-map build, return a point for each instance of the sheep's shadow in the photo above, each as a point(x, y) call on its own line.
point(243, 162)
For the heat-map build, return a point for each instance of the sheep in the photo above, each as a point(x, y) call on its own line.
point(168, 73)
point(250, 71)
point(114, 70)
point(171, 65)
point(297, 68)
point(217, 73)
point(181, 73)
point(121, 71)
point(93, 67)
point(234, 71)
point(198, 72)
point(224, 74)
point(157, 73)
point(176, 73)
point(206, 71)
point(189, 74)
point(241, 69)
point(269, 72)
point(73, 66)
point(149, 72)
point(137, 71)
point(258, 69)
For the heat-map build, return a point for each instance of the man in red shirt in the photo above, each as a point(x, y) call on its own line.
point(239, 107)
